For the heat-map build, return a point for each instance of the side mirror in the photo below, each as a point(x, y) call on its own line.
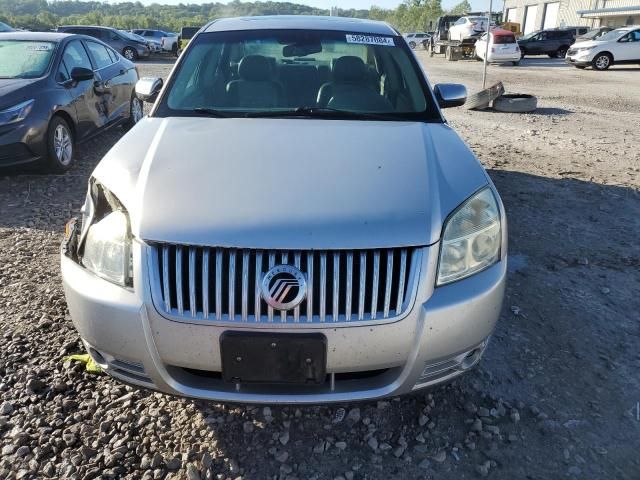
point(450, 94)
point(148, 88)
point(79, 74)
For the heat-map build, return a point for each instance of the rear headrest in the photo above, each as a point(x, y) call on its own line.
point(349, 69)
point(255, 68)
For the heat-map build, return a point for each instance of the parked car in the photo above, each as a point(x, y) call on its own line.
point(343, 243)
point(186, 34)
point(413, 39)
point(128, 47)
point(593, 34)
point(618, 46)
point(502, 47)
point(577, 31)
point(167, 41)
point(552, 42)
point(5, 28)
point(57, 90)
point(155, 47)
point(467, 27)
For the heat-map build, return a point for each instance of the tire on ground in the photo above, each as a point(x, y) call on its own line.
point(515, 103)
point(483, 98)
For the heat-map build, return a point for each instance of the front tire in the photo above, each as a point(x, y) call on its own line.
point(60, 146)
point(516, 63)
point(602, 61)
point(136, 112)
point(561, 52)
point(412, 44)
point(522, 53)
point(130, 54)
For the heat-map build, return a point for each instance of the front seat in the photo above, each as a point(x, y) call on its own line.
point(256, 87)
point(351, 89)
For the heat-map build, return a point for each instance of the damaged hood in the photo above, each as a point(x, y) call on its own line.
point(290, 183)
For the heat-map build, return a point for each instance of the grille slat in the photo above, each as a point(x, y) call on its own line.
point(180, 298)
point(342, 286)
point(205, 283)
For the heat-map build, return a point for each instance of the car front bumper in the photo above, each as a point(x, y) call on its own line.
point(444, 334)
point(583, 61)
point(23, 142)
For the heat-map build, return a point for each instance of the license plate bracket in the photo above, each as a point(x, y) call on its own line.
point(275, 358)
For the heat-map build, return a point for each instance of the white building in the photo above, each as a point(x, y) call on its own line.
point(534, 15)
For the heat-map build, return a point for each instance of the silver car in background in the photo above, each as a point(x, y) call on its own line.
point(294, 222)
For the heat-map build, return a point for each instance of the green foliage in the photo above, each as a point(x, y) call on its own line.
point(463, 7)
point(411, 15)
point(40, 15)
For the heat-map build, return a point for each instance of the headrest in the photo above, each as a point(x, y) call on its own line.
point(349, 69)
point(255, 68)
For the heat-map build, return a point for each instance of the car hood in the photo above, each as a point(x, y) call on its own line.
point(587, 43)
point(14, 91)
point(290, 183)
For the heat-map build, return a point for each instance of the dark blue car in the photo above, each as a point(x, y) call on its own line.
point(57, 90)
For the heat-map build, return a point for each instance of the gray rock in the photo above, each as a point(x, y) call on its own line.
point(35, 385)
point(354, 415)
point(156, 461)
point(483, 469)
point(283, 438)
point(247, 427)
point(425, 464)
point(373, 443)
point(174, 463)
point(6, 408)
point(192, 472)
point(440, 456)
point(22, 451)
point(282, 456)
point(341, 445)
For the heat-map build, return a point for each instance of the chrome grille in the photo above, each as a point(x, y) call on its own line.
point(222, 284)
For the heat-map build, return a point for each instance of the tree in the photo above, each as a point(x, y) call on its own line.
point(460, 9)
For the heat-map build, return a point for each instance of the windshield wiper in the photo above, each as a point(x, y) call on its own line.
point(212, 112)
point(321, 112)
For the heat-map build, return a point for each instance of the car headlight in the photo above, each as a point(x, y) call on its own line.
point(16, 113)
point(585, 49)
point(106, 249)
point(472, 238)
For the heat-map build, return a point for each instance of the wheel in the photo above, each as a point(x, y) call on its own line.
point(412, 44)
point(561, 52)
point(60, 146)
point(602, 61)
point(483, 98)
point(516, 63)
point(130, 54)
point(522, 53)
point(174, 49)
point(515, 103)
point(136, 112)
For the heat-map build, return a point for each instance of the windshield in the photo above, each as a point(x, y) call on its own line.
point(529, 35)
point(612, 35)
point(5, 28)
point(24, 59)
point(268, 71)
point(131, 36)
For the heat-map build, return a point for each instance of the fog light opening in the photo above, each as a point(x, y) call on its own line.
point(471, 359)
point(97, 357)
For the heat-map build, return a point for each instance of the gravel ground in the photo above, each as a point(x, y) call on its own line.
point(554, 397)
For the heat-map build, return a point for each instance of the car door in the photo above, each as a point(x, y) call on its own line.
point(84, 98)
point(628, 47)
point(537, 44)
point(481, 46)
point(109, 82)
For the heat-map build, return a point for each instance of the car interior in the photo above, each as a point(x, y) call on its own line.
point(366, 78)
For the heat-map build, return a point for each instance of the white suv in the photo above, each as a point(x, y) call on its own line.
point(467, 27)
point(618, 46)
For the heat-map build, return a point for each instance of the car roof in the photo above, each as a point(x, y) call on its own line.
point(98, 27)
point(301, 22)
point(35, 36)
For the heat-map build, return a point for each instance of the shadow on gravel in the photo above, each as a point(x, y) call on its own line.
point(552, 111)
point(543, 62)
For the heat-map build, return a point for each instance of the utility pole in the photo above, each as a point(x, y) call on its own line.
point(486, 50)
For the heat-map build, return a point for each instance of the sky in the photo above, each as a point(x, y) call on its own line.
point(476, 4)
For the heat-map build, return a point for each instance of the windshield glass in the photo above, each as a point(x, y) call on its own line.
point(131, 36)
point(612, 35)
point(529, 35)
point(243, 72)
point(24, 59)
point(5, 28)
